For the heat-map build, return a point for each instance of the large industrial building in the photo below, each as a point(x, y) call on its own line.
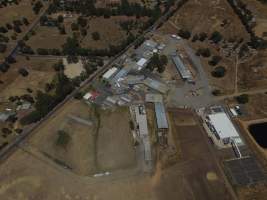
point(222, 128)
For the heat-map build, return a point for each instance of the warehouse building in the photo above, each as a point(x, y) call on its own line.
point(181, 68)
point(223, 129)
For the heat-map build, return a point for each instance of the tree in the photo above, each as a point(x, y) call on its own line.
point(43, 20)
point(95, 36)
point(82, 21)
point(83, 32)
point(216, 37)
point(37, 7)
point(205, 52)
point(184, 34)
point(218, 72)
point(215, 60)
point(216, 92)
point(3, 48)
point(71, 47)
point(63, 139)
point(25, 21)
point(59, 66)
point(17, 29)
point(242, 99)
point(9, 26)
point(4, 67)
point(74, 27)
point(62, 30)
point(23, 72)
point(202, 36)
point(3, 29)
point(60, 19)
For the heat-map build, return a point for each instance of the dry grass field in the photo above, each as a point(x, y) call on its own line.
point(109, 30)
point(94, 148)
point(50, 37)
point(115, 148)
point(253, 73)
point(80, 152)
point(40, 73)
point(47, 37)
point(14, 12)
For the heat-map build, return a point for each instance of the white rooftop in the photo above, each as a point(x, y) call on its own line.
point(87, 96)
point(223, 125)
point(142, 62)
point(110, 72)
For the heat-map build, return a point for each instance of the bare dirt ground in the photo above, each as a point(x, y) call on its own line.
point(40, 73)
point(115, 149)
point(196, 172)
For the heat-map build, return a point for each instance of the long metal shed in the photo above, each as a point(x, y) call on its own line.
point(182, 69)
point(162, 122)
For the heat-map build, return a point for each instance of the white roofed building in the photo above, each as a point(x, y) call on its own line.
point(222, 127)
point(108, 74)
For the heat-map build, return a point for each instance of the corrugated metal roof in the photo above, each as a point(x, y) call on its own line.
point(185, 73)
point(156, 85)
point(161, 117)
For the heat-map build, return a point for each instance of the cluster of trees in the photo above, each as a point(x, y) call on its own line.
point(42, 51)
point(158, 62)
point(45, 102)
point(15, 25)
point(87, 8)
point(37, 7)
point(246, 17)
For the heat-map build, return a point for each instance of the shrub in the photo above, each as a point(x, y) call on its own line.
point(95, 36)
point(215, 60)
point(184, 34)
point(23, 72)
point(242, 99)
point(63, 139)
point(218, 72)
